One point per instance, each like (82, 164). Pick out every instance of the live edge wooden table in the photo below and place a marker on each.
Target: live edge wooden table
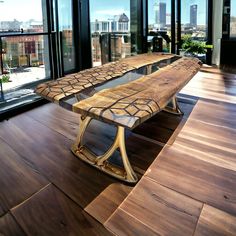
(123, 94)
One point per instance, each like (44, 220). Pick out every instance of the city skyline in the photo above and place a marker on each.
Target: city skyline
(101, 10)
(185, 9)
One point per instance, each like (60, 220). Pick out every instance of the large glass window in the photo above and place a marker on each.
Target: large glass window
(110, 30)
(24, 47)
(233, 19)
(194, 26)
(159, 24)
(23, 60)
(193, 19)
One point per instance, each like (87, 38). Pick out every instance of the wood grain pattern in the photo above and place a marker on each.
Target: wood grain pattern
(217, 114)
(131, 104)
(123, 224)
(47, 149)
(162, 210)
(218, 150)
(179, 170)
(219, 86)
(74, 83)
(141, 152)
(102, 207)
(199, 164)
(50, 207)
(213, 222)
(15, 174)
(145, 59)
(57, 118)
(9, 227)
(49, 152)
(202, 159)
(164, 127)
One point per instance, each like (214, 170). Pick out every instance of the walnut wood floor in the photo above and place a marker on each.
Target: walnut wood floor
(187, 165)
(190, 188)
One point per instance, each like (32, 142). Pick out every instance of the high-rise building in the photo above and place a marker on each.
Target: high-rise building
(193, 15)
(162, 7)
(160, 14)
(119, 23)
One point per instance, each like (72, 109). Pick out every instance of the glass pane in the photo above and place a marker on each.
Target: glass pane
(110, 30)
(194, 27)
(24, 60)
(159, 24)
(65, 27)
(23, 16)
(233, 19)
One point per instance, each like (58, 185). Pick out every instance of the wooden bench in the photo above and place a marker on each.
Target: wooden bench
(125, 106)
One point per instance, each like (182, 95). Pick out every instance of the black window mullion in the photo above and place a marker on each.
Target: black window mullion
(209, 31)
(172, 26)
(178, 18)
(85, 50)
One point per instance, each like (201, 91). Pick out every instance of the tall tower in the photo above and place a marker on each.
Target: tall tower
(160, 14)
(156, 12)
(162, 7)
(193, 15)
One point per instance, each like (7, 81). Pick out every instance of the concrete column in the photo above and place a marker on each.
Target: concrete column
(217, 30)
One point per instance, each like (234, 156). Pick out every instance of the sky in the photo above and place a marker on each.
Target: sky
(21, 10)
(100, 9)
(233, 8)
(104, 9)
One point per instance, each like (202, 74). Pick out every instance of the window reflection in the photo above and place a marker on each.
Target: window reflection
(159, 25)
(65, 27)
(110, 30)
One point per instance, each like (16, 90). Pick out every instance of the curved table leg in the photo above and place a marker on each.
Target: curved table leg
(175, 109)
(101, 162)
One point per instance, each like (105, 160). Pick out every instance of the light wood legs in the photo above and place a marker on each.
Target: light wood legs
(175, 109)
(101, 162)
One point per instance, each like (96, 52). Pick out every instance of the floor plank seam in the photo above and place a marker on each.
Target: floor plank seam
(148, 139)
(123, 201)
(155, 181)
(30, 197)
(82, 208)
(132, 216)
(49, 127)
(68, 196)
(18, 224)
(25, 160)
(198, 219)
(63, 110)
